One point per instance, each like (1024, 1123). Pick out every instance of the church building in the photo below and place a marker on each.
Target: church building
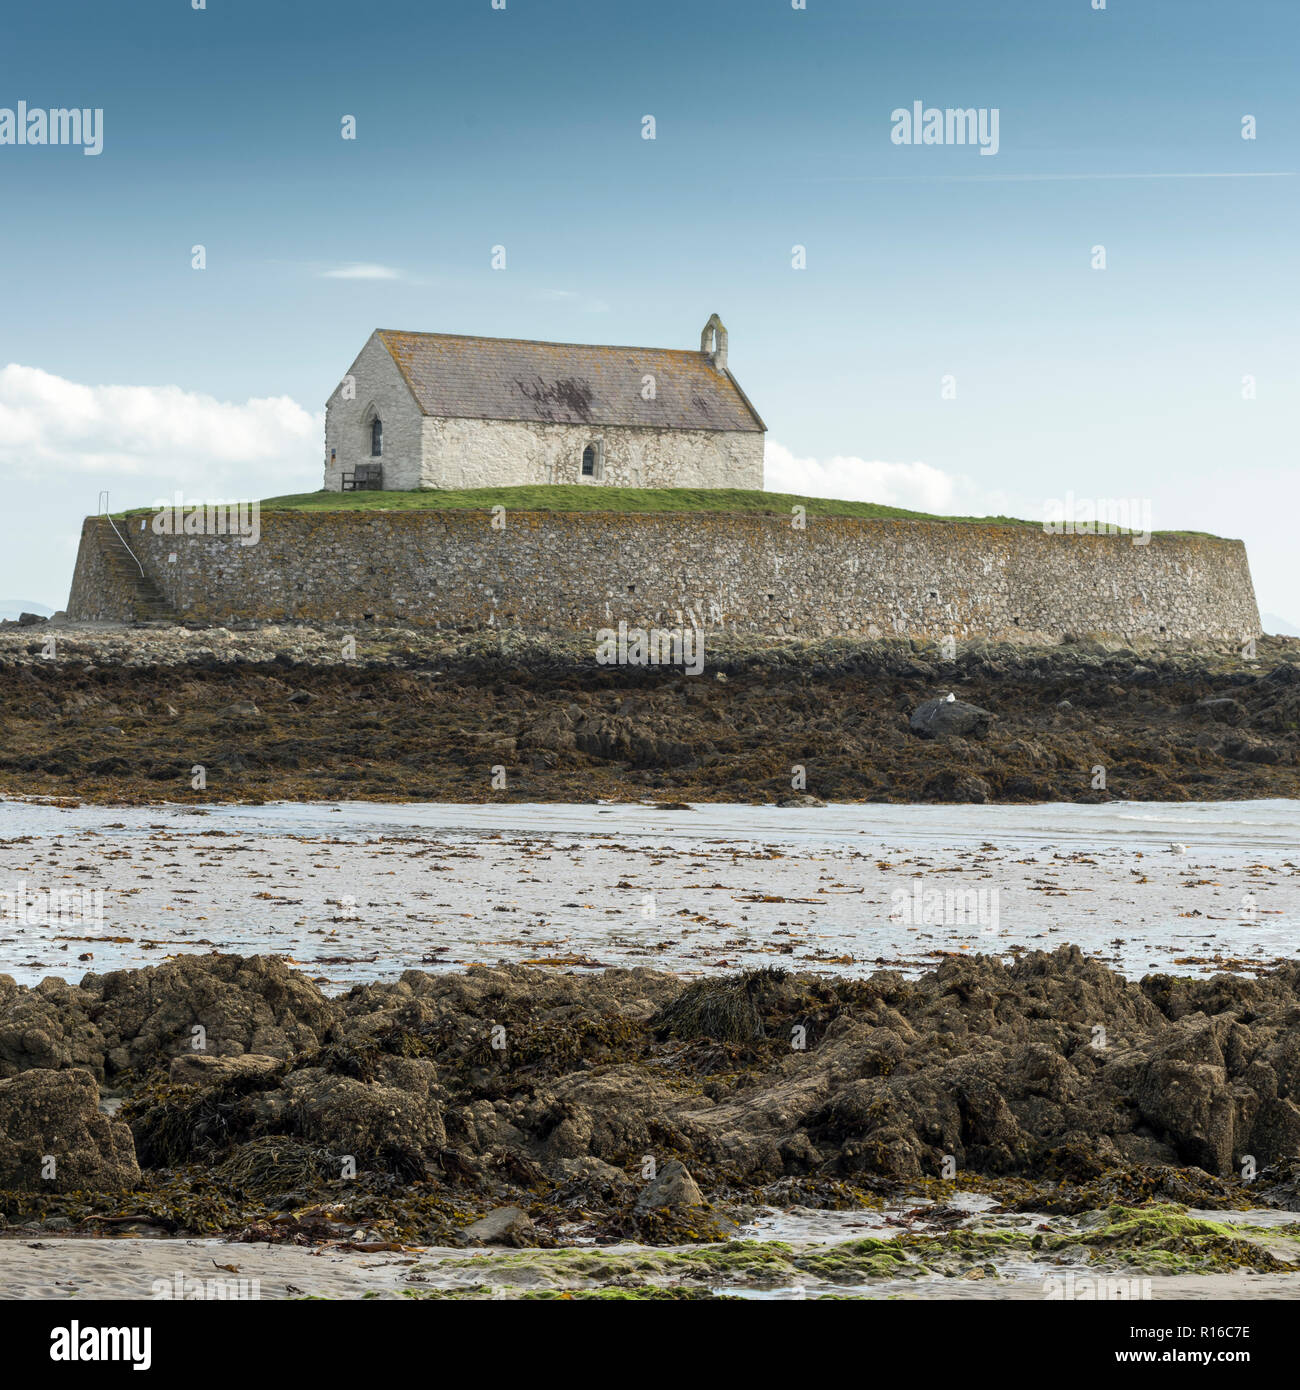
(441, 410)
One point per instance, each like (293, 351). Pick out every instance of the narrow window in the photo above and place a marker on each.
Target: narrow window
(376, 438)
(589, 462)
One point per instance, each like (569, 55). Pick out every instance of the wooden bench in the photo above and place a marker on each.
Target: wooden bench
(366, 477)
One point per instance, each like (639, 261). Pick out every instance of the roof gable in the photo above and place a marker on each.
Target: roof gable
(567, 383)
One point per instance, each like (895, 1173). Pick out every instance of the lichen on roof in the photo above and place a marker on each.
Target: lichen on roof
(456, 376)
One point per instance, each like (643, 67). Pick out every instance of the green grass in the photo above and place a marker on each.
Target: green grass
(587, 498)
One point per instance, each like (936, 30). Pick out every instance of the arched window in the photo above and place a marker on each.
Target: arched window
(376, 438)
(589, 462)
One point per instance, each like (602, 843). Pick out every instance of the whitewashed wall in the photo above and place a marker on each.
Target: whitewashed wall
(505, 453)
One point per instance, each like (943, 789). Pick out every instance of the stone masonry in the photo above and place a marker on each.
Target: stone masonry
(757, 574)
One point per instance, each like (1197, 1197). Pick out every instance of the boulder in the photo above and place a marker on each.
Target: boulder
(200, 1069)
(240, 709)
(48, 1027)
(947, 716)
(1250, 748)
(952, 785)
(242, 1003)
(1223, 709)
(373, 1123)
(505, 1226)
(54, 1138)
(673, 1187)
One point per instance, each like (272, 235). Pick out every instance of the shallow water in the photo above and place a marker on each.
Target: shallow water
(1202, 826)
(360, 891)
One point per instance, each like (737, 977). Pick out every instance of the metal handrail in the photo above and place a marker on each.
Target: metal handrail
(103, 511)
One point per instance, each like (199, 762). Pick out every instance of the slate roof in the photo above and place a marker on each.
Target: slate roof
(567, 383)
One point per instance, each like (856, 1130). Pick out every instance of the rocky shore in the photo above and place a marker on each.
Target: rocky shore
(507, 1106)
(127, 715)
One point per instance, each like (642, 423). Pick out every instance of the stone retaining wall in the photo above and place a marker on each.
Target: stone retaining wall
(585, 571)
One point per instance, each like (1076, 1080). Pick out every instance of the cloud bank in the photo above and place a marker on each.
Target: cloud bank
(915, 486)
(51, 428)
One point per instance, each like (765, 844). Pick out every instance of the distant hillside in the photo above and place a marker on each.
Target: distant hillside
(10, 608)
(1279, 627)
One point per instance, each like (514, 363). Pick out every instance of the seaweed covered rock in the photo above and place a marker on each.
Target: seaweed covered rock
(391, 1120)
(241, 1004)
(956, 786)
(566, 734)
(949, 716)
(54, 1138)
(48, 1026)
(672, 1187)
(278, 1168)
(1184, 1093)
(202, 1069)
(371, 1122)
(1279, 1185)
(725, 1010)
(615, 1114)
(517, 1077)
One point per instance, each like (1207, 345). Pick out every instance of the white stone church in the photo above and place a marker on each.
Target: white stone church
(439, 410)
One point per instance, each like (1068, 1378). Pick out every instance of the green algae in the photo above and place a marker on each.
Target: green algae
(1163, 1239)
(1166, 1239)
(635, 1293)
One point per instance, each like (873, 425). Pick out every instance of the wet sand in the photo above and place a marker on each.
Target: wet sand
(145, 1269)
(354, 892)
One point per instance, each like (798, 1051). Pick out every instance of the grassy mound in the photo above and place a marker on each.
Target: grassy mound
(586, 498)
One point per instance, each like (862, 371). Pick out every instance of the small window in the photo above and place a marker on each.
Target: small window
(589, 462)
(376, 438)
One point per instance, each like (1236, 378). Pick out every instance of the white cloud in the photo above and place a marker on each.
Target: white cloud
(362, 271)
(52, 428)
(584, 303)
(914, 486)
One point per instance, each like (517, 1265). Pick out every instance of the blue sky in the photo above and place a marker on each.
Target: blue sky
(522, 127)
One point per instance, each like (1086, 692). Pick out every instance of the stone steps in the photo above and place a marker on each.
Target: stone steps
(148, 602)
